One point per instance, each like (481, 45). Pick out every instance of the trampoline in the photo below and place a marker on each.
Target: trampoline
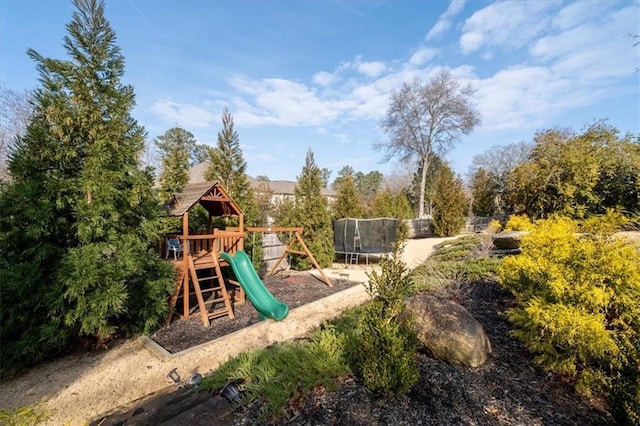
(356, 237)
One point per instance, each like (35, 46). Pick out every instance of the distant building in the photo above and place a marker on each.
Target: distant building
(281, 189)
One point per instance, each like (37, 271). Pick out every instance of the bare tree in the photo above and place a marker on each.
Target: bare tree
(15, 113)
(426, 119)
(498, 162)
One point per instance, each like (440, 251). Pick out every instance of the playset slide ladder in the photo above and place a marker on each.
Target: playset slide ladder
(210, 298)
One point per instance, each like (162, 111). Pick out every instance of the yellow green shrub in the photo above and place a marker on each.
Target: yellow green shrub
(577, 299)
(518, 223)
(493, 227)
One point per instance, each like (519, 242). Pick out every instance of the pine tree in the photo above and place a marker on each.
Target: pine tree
(228, 167)
(348, 202)
(227, 162)
(312, 213)
(176, 145)
(84, 263)
(450, 203)
(483, 190)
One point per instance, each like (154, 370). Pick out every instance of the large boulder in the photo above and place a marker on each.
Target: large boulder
(447, 331)
(508, 240)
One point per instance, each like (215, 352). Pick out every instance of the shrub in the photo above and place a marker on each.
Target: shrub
(458, 249)
(518, 223)
(25, 416)
(276, 374)
(493, 227)
(577, 303)
(450, 203)
(385, 354)
(450, 279)
(386, 343)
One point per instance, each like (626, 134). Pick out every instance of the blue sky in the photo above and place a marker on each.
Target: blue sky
(314, 74)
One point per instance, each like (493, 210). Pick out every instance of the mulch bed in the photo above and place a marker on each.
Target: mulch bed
(509, 389)
(291, 287)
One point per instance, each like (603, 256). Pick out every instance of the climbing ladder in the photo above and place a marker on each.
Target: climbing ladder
(352, 257)
(205, 276)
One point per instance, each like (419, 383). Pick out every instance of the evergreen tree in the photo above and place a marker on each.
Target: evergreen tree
(227, 162)
(388, 204)
(79, 219)
(228, 167)
(312, 212)
(176, 145)
(483, 190)
(342, 174)
(450, 203)
(368, 185)
(348, 202)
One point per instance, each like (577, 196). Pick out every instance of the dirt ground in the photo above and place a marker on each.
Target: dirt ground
(291, 287)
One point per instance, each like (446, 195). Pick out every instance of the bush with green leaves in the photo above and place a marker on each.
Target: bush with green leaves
(25, 416)
(450, 203)
(386, 342)
(518, 223)
(454, 265)
(458, 249)
(310, 210)
(80, 223)
(577, 303)
(274, 375)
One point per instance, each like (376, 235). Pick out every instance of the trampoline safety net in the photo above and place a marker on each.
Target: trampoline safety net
(366, 236)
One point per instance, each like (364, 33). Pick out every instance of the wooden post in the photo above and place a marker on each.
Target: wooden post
(185, 264)
(313, 260)
(305, 252)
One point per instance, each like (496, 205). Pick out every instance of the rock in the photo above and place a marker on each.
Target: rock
(508, 240)
(447, 331)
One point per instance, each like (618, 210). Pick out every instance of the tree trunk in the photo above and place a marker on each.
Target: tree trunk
(423, 184)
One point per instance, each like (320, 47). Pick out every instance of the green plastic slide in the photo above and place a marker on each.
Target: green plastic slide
(260, 297)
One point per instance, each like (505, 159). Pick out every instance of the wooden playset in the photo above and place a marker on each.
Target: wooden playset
(197, 259)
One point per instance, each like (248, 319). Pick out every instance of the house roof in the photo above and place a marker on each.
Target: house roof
(278, 187)
(211, 195)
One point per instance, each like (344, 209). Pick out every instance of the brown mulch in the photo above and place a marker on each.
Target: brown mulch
(509, 389)
(291, 287)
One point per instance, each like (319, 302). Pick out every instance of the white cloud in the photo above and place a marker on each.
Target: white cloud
(511, 24)
(371, 69)
(422, 56)
(281, 102)
(471, 41)
(185, 115)
(593, 49)
(577, 12)
(444, 21)
(526, 97)
(563, 70)
(324, 78)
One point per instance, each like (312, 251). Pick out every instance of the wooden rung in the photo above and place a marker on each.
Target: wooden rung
(204, 265)
(214, 301)
(217, 314)
(214, 277)
(206, 290)
(296, 252)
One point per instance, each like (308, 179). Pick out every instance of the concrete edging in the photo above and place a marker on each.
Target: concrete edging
(298, 323)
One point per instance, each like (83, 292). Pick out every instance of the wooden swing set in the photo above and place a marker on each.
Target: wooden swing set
(198, 268)
(296, 238)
